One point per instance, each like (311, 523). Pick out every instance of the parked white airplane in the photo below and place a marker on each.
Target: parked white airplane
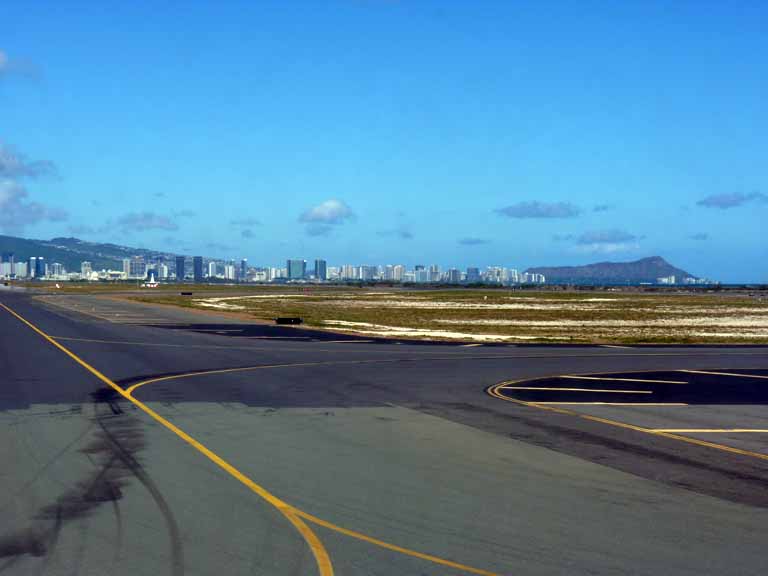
(151, 283)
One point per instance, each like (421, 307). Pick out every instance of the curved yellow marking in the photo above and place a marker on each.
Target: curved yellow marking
(623, 379)
(578, 390)
(393, 547)
(131, 389)
(322, 559)
(494, 391)
(764, 377)
(310, 517)
(711, 430)
(636, 404)
(293, 514)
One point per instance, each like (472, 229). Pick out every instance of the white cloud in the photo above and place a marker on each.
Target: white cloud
(332, 212)
(726, 201)
(607, 248)
(321, 219)
(540, 210)
(17, 212)
(141, 221)
(15, 165)
(601, 241)
(606, 237)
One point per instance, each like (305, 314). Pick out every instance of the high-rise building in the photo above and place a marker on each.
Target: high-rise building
(297, 269)
(212, 269)
(37, 267)
(57, 270)
(398, 271)
(229, 271)
(434, 273)
(86, 269)
(495, 274)
(367, 272)
(137, 267)
(243, 270)
(454, 276)
(348, 272)
(180, 268)
(473, 275)
(321, 270)
(10, 259)
(126, 267)
(162, 271)
(197, 268)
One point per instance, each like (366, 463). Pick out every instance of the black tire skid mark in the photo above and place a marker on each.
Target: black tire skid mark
(113, 450)
(54, 459)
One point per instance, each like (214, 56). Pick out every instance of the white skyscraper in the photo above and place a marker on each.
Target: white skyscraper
(348, 272)
(57, 270)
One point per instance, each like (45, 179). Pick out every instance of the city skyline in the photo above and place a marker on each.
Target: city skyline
(157, 269)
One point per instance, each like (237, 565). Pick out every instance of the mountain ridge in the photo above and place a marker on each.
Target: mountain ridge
(71, 251)
(642, 270)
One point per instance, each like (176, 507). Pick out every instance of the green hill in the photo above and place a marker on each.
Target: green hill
(71, 252)
(643, 270)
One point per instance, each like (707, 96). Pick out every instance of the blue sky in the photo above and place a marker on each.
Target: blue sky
(457, 133)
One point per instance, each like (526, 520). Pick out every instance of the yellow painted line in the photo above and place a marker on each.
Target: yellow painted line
(711, 430)
(624, 379)
(273, 337)
(293, 514)
(577, 389)
(130, 390)
(725, 374)
(615, 403)
(344, 341)
(494, 391)
(393, 547)
(318, 550)
(615, 346)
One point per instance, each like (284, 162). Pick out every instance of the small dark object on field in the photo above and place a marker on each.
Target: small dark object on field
(288, 320)
(185, 293)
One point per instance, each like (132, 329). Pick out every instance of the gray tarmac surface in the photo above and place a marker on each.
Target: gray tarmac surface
(399, 443)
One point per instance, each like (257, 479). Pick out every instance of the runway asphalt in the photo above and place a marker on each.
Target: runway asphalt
(153, 440)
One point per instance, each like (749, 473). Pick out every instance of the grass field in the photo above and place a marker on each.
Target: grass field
(502, 315)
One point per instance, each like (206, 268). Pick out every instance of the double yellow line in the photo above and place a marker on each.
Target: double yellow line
(495, 391)
(294, 515)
